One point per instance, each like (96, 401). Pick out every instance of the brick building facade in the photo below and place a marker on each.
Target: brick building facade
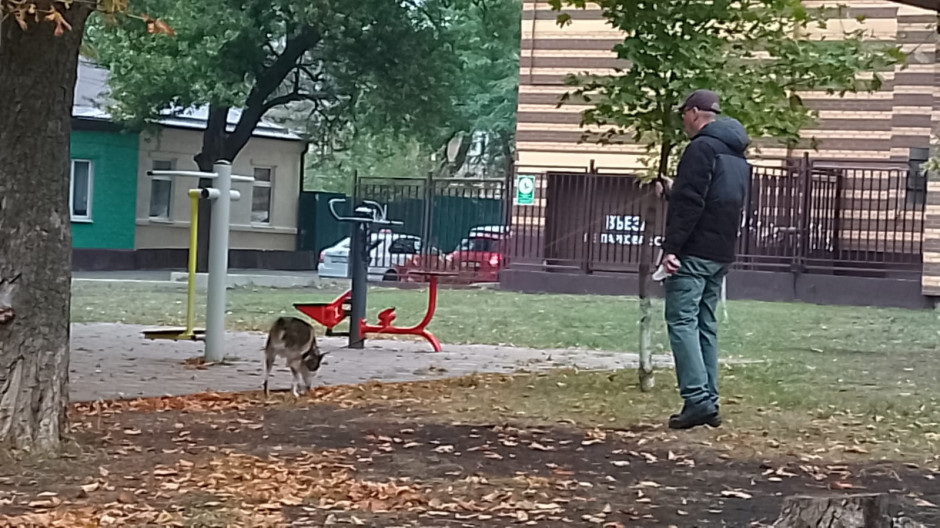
(891, 128)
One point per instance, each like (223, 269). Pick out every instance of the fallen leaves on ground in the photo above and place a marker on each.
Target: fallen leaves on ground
(201, 402)
(344, 396)
(94, 517)
(259, 485)
(259, 491)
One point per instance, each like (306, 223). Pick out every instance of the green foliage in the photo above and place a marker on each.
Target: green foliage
(378, 82)
(379, 155)
(484, 37)
(229, 54)
(932, 167)
(754, 53)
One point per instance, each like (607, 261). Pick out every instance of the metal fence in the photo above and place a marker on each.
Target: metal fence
(438, 217)
(584, 221)
(802, 215)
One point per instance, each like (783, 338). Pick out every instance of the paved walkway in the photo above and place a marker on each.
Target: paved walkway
(111, 361)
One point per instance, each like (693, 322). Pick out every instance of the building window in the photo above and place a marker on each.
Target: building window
(916, 177)
(161, 190)
(80, 192)
(261, 196)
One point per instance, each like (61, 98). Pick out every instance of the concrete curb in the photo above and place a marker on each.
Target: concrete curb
(235, 280)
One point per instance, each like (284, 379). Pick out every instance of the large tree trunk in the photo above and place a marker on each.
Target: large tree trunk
(213, 145)
(37, 78)
(844, 511)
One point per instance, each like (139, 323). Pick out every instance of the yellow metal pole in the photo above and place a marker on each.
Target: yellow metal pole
(191, 282)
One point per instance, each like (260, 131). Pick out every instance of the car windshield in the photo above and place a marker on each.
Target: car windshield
(487, 230)
(488, 245)
(388, 240)
(373, 243)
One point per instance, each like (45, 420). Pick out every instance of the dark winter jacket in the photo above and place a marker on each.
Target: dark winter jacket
(709, 193)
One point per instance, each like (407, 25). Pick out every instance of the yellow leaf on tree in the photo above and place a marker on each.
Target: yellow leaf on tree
(112, 6)
(20, 17)
(155, 26)
(61, 25)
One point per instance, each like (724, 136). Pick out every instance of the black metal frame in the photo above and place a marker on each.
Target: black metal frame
(365, 216)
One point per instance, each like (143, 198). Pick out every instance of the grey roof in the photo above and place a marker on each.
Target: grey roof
(91, 98)
(91, 89)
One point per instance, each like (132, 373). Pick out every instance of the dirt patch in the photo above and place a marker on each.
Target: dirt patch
(231, 461)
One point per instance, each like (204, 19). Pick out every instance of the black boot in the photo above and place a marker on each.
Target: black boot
(688, 418)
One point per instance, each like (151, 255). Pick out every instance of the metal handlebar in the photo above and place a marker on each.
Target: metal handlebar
(377, 213)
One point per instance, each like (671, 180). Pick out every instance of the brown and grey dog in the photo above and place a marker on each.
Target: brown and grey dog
(293, 339)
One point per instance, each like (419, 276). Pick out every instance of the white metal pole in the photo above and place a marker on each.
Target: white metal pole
(724, 297)
(218, 263)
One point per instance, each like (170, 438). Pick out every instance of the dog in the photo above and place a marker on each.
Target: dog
(295, 340)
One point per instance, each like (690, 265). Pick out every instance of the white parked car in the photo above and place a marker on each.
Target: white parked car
(485, 230)
(387, 251)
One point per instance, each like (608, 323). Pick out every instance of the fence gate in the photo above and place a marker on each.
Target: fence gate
(791, 216)
(594, 222)
(812, 216)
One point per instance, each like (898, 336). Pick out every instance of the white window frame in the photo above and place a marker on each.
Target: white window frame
(91, 187)
(263, 184)
(169, 208)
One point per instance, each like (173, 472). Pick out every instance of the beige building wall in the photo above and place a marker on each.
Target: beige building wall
(179, 146)
(878, 126)
(881, 126)
(931, 276)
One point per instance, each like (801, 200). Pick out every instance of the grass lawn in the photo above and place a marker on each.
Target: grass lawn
(753, 330)
(847, 378)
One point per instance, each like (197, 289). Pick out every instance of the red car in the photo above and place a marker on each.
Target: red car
(478, 257)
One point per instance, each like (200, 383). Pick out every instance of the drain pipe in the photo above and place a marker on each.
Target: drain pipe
(221, 197)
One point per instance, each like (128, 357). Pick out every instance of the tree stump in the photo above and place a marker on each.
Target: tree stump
(845, 511)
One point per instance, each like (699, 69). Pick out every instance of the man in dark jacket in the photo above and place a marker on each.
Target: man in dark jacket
(705, 206)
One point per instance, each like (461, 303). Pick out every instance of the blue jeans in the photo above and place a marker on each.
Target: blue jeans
(691, 297)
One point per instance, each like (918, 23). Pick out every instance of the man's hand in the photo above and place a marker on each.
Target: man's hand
(663, 186)
(671, 263)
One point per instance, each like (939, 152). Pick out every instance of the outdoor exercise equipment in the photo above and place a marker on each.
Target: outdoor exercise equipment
(352, 303)
(190, 333)
(221, 196)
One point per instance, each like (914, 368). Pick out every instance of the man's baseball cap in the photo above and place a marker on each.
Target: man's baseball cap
(706, 100)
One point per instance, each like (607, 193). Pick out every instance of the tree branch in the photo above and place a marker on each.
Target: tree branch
(294, 97)
(313, 76)
(270, 47)
(266, 84)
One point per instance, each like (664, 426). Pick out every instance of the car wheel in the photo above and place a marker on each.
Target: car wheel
(390, 276)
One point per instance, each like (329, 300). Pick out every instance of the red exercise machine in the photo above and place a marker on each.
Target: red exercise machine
(352, 303)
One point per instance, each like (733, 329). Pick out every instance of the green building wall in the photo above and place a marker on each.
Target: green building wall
(114, 189)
